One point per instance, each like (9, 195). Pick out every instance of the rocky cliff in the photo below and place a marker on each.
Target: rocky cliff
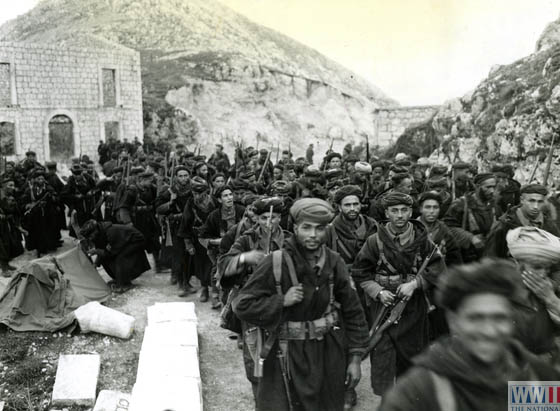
(211, 75)
(511, 116)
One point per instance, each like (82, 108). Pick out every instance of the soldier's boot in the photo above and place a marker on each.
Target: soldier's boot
(204, 295)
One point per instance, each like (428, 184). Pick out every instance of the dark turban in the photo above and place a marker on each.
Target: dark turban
(155, 165)
(534, 189)
(333, 173)
(249, 199)
(429, 195)
(199, 164)
(461, 166)
(329, 157)
(263, 205)
(482, 177)
(118, 169)
(198, 185)
(181, 168)
(313, 210)
(440, 182)
(438, 170)
(136, 170)
(394, 198)
(280, 187)
(345, 191)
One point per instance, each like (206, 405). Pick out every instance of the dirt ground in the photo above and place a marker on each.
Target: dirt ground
(28, 360)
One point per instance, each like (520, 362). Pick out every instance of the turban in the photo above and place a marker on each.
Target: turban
(118, 169)
(313, 171)
(263, 205)
(38, 173)
(249, 199)
(280, 187)
(363, 167)
(30, 153)
(155, 165)
(146, 174)
(198, 185)
(333, 173)
(398, 169)
(423, 161)
(199, 164)
(377, 164)
(312, 209)
(403, 163)
(534, 189)
(88, 227)
(440, 182)
(460, 166)
(345, 191)
(401, 156)
(331, 156)
(533, 243)
(482, 177)
(394, 198)
(429, 195)
(438, 170)
(76, 169)
(181, 168)
(239, 184)
(263, 151)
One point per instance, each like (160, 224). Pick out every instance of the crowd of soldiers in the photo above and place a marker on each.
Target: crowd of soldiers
(443, 275)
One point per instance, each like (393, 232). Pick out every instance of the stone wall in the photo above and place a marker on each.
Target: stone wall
(61, 79)
(390, 122)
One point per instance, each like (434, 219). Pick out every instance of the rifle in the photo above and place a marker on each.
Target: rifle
(269, 227)
(284, 371)
(367, 148)
(452, 184)
(264, 166)
(36, 203)
(383, 322)
(173, 164)
(82, 241)
(534, 171)
(278, 152)
(549, 161)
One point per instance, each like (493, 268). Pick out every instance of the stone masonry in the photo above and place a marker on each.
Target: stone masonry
(48, 80)
(390, 122)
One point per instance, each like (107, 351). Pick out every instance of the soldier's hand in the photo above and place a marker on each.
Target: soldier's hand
(173, 196)
(407, 289)
(353, 373)
(190, 250)
(293, 296)
(541, 286)
(478, 241)
(386, 297)
(253, 257)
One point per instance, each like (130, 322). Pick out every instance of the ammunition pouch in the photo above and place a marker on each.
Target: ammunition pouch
(392, 282)
(308, 330)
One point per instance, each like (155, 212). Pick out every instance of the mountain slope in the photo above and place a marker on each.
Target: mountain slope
(210, 74)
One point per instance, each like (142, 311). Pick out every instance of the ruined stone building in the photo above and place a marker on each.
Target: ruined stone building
(59, 100)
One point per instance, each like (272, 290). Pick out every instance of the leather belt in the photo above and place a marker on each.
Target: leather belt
(308, 330)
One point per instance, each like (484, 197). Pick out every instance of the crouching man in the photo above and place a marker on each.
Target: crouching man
(314, 316)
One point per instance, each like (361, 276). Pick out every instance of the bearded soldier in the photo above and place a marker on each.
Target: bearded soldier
(197, 210)
(315, 313)
(170, 204)
(471, 217)
(386, 268)
(527, 214)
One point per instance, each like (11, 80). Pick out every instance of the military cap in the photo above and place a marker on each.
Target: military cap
(363, 167)
(345, 191)
(438, 170)
(330, 156)
(146, 175)
(189, 154)
(437, 182)
(199, 185)
(534, 189)
(398, 169)
(199, 159)
(394, 198)
(263, 151)
(215, 176)
(378, 164)
(239, 184)
(220, 146)
(334, 184)
(248, 199)
(118, 169)
(181, 168)
(333, 173)
(351, 158)
(263, 205)
(30, 153)
(136, 170)
(155, 165)
(313, 210)
(280, 187)
(482, 177)
(285, 152)
(180, 145)
(38, 172)
(50, 164)
(313, 171)
(429, 195)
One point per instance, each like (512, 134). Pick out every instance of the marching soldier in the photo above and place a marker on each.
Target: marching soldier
(387, 269)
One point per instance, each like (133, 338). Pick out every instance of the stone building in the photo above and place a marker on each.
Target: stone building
(60, 99)
(390, 122)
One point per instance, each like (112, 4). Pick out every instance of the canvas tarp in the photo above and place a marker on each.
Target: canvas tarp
(40, 298)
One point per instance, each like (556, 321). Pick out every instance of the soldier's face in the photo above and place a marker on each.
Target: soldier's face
(277, 173)
(310, 235)
(350, 207)
(117, 177)
(335, 163)
(9, 168)
(219, 182)
(484, 324)
(487, 189)
(226, 198)
(398, 215)
(430, 211)
(40, 180)
(182, 177)
(531, 204)
(274, 220)
(202, 171)
(405, 186)
(9, 187)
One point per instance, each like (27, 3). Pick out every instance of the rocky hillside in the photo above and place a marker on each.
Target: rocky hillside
(209, 74)
(511, 116)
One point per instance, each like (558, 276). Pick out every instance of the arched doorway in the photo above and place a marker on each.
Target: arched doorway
(61, 138)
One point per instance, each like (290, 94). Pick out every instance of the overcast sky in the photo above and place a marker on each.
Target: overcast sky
(417, 51)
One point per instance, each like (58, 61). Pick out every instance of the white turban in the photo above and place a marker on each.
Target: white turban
(531, 242)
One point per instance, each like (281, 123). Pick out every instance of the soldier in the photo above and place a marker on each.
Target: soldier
(461, 179)
(528, 214)
(219, 157)
(108, 188)
(119, 249)
(508, 193)
(333, 161)
(214, 229)
(305, 310)
(79, 196)
(41, 202)
(309, 153)
(362, 178)
(470, 369)
(386, 268)
(195, 213)
(10, 226)
(56, 183)
(30, 162)
(471, 217)
(109, 166)
(170, 204)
